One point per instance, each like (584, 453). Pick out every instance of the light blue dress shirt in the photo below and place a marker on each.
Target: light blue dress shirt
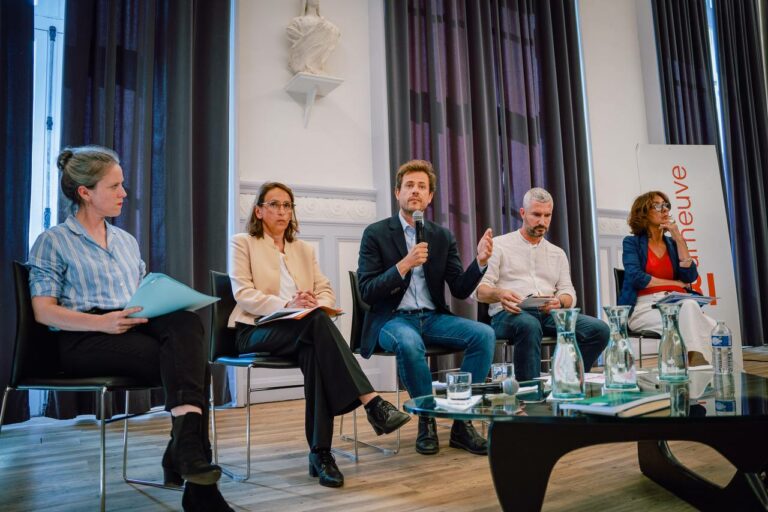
(66, 263)
(417, 295)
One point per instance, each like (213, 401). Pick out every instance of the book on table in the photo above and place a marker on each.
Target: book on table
(296, 314)
(675, 297)
(620, 403)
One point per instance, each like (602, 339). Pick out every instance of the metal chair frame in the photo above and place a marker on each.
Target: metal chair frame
(28, 374)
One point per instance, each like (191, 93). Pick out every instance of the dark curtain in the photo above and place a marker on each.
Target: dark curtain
(16, 65)
(745, 120)
(150, 79)
(688, 100)
(685, 71)
(491, 93)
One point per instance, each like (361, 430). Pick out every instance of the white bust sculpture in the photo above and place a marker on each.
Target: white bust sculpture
(312, 39)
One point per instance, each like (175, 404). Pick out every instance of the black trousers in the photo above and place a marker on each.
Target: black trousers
(333, 379)
(169, 349)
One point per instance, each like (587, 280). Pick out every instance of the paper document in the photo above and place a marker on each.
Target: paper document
(675, 297)
(457, 405)
(534, 302)
(295, 314)
(159, 295)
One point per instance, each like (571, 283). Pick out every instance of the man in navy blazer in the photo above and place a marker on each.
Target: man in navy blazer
(404, 284)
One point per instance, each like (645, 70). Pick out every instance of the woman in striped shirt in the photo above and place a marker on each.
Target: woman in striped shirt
(82, 274)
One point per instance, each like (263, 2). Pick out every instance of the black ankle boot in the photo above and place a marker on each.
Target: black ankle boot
(203, 498)
(322, 464)
(186, 455)
(171, 477)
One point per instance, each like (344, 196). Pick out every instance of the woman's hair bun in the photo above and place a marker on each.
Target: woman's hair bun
(64, 157)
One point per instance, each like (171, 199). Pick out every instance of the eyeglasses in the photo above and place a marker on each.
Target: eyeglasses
(277, 206)
(661, 206)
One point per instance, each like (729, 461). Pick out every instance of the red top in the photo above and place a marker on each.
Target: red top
(662, 269)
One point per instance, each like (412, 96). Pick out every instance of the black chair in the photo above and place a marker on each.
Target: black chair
(547, 342)
(35, 366)
(618, 281)
(223, 350)
(359, 309)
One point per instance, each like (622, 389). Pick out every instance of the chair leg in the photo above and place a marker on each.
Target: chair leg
(2, 407)
(102, 454)
(231, 474)
(354, 439)
(640, 349)
(150, 483)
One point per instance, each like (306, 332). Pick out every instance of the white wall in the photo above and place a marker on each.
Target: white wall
(337, 165)
(335, 149)
(623, 93)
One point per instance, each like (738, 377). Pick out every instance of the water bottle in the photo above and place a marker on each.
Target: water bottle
(725, 395)
(722, 348)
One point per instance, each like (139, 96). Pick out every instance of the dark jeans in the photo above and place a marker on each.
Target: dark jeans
(526, 329)
(170, 349)
(333, 379)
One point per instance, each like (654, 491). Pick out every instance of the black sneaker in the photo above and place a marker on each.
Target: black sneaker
(385, 418)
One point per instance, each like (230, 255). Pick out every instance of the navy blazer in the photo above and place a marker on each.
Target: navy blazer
(381, 286)
(635, 257)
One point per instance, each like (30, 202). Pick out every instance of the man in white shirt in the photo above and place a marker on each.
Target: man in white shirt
(524, 264)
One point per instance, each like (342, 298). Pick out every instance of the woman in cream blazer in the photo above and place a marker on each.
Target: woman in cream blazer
(270, 269)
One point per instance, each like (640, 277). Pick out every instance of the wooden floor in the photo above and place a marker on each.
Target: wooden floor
(53, 466)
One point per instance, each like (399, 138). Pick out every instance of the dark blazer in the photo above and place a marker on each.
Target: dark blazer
(635, 257)
(381, 286)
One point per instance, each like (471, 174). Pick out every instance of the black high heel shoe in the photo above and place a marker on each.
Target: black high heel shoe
(322, 464)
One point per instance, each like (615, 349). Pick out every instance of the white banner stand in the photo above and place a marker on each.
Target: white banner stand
(690, 176)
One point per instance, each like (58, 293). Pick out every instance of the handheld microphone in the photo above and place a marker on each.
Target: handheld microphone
(418, 221)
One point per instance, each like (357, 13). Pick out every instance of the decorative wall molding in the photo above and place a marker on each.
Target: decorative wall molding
(612, 223)
(321, 205)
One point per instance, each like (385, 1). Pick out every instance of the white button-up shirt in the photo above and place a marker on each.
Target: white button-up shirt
(527, 269)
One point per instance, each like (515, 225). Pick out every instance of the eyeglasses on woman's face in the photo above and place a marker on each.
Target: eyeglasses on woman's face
(276, 206)
(661, 206)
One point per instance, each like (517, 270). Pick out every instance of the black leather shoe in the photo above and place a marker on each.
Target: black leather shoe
(385, 418)
(426, 439)
(203, 498)
(464, 436)
(322, 464)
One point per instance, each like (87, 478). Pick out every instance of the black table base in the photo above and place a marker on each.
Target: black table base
(523, 453)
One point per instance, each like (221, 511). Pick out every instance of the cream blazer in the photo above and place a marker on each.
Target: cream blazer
(255, 274)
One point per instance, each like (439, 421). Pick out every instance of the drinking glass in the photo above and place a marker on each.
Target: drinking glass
(459, 386)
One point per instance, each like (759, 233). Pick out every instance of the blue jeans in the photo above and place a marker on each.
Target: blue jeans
(408, 335)
(526, 329)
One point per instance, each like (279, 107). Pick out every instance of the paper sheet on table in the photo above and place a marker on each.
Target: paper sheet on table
(159, 295)
(451, 405)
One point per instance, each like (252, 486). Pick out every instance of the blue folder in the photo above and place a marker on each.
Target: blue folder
(159, 295)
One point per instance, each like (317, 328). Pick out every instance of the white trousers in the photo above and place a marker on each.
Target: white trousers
(695, 326)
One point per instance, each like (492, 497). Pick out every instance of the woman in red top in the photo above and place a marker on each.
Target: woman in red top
(656, 262)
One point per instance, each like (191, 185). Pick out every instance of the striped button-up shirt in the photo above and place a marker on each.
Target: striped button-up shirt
(66, 263)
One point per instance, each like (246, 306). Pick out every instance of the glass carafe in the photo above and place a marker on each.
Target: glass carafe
(620, 371)
(567, 363)
(673, 357)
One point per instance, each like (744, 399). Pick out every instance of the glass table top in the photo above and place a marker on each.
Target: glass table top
(747, 398)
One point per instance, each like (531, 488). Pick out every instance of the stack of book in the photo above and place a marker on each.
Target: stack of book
(623, 404)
